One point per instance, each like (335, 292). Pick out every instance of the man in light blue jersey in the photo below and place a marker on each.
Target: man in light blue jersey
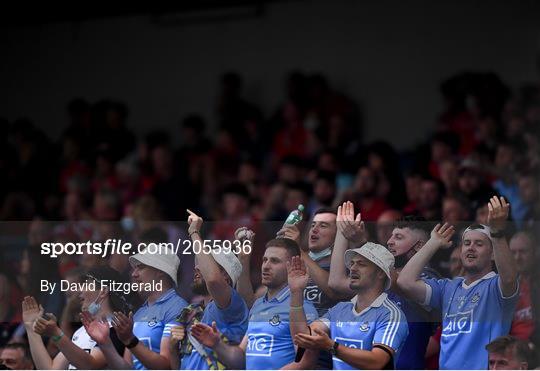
(478, 307)
(216, 275)
(142, 334)
(367, 332)
(267, 344)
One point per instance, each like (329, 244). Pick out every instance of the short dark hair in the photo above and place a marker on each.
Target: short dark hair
(22, 346)
(286, 243)
(503, 343)
(414, 223)
(325, 210)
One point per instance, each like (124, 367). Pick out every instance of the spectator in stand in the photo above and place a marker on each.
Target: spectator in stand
(235, 212)
(384, 161)
(324, 191)
(505, 164)
(444, 147)
(413, 182)
(110, 119)
(449, 176)
(429, 201)
(481, 293)
(171, 189)
(104, 169)
(455, 209)
(529, 193)
(10, 294)
(508, 353)
(385, 225)
(232, 109)
(525, 324)
(364, 195)
(293, 139)
(16, 356)
(472, 183)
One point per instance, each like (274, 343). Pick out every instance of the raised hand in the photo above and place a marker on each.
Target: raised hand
(297, 274)
(351, 227)
(47, 326)
(442, 235)
(318, 341)
(195, 222)
(206, 335)
(98, 330)
(123, 325)
(244, 234)
(31, 311)
(498, 213)
(290, 231)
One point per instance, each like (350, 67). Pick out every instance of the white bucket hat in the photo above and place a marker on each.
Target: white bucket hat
(164, 260)
(378, 255)
(230, 263)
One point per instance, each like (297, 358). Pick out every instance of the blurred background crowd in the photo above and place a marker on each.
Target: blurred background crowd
(101, 181)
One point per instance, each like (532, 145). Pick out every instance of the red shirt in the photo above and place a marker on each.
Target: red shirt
(523, 322)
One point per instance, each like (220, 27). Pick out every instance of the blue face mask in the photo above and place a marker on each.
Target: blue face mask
(94, 307)
(316, 256)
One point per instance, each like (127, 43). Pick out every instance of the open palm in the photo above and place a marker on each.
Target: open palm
(297, 274)
(31, 310)
(96, 329)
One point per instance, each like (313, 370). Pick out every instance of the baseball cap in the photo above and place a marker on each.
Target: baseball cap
(164, 260)
(377, 254)
(230, 263)
(484, 229)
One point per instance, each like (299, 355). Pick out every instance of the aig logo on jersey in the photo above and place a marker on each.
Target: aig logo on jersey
(260, 345)
(313, 294)
(350, 343)
(460, 323)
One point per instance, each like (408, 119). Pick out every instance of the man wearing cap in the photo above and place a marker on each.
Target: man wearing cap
(142, 334)
(268, 343)
(367, 332)
(216, 274)
(475, 308)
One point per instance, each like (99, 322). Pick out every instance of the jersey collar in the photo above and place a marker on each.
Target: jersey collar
(166, 296)
(374, 304)
(280, 297)
(474, 283)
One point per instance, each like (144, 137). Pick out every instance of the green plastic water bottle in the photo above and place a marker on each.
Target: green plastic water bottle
(295, 216)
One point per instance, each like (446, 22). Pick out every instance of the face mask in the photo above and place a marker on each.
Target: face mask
(316, 256)
(402, 259)
(95, 307)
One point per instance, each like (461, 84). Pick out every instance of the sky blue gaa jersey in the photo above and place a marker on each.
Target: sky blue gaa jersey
(231, 321)
(472, 316)
(149, 321)
(380, 323)
(270, 344)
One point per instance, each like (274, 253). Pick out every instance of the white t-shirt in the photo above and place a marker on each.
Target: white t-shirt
(81, 339)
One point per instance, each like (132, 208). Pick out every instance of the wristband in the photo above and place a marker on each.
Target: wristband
(301, 307)
(56, 338)
(132, 343)
(192, 233)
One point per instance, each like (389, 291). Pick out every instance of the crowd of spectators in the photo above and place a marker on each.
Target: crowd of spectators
(101, 181)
